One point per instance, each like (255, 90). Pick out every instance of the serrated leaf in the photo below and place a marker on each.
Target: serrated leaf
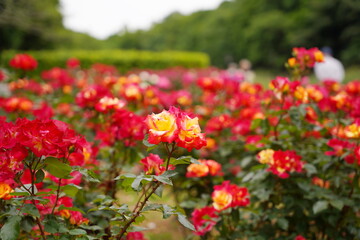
(164, 179)
(310, 169)
(152, 207)
(169, 173)
(136, 183)
(248, 177)
(77, 232)
(283, 223)
(137, 229)
(51, 224)
(185, 222)
(11, 229)
(337, 204)
(320, 206)
(88, 174)
(57, 168)
(167, 211)
(20, 194)
(183, 160)
(39, 176)
(70, 189)
(125, 175)
(31, 210)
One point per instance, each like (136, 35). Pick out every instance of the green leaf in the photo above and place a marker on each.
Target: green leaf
(337, 204)
(57, 168)
(137, 229)
(136, 183)
(146, 142)
(30, 209)
(265, 126)
(20, 194)
(320, 206)
(255, 123)
(88, 174)
(248, 177)
(167, 211)
(11, 228)
(70, 189)
(159, 190)
(77, 232)
(164, 179)
(183, 160)
(125, 176)
(169, 173)
(185, 222)
(151, 148)
(152, 207)
(39, 176)
(51, 224)
(310, 169)
(283, 223)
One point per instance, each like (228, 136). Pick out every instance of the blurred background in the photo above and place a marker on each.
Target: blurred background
(260, 30)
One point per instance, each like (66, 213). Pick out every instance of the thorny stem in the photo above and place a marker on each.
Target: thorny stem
(57, 196)
(58, 189)
(32, 192)
(141, 204)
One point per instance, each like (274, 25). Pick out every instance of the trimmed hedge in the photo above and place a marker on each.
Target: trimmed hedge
(124, 60)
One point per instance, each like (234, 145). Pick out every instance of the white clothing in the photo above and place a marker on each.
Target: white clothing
(330, 69)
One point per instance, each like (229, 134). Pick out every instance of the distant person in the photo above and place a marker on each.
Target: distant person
(331, 69)
(234, 73)
(245, 69)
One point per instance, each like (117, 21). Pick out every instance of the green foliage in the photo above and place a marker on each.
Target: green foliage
(259, 30)
(11, 228)
(57, 168)
(123, 60)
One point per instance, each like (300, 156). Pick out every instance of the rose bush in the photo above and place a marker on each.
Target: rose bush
(241, 160)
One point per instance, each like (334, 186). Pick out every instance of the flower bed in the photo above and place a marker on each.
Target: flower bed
(242, 161)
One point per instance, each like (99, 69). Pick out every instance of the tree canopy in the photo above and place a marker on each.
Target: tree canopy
(260, 30)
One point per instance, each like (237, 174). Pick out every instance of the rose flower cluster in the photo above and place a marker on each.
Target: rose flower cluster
(305, 58)
(224, 196)
(26, 141)
(281, 163)
(175, 126)
(204, 168)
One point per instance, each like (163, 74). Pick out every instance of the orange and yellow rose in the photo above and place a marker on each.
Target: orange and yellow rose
(5, 191)
(162, 127)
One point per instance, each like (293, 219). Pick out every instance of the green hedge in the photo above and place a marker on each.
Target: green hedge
(124, 60)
